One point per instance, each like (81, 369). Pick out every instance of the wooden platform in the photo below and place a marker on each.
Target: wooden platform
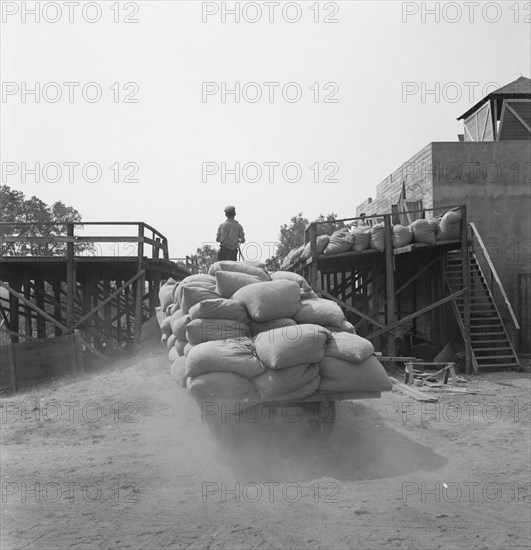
(100, 300)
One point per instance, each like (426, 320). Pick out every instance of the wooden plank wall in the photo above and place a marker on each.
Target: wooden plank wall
(26, 364)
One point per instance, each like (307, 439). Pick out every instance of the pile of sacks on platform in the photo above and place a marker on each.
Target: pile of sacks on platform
(242, 334)
(362, 237)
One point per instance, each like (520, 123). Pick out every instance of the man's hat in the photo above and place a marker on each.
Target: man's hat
(230, 208)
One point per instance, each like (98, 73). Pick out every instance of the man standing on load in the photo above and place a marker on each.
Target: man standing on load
(230, 235)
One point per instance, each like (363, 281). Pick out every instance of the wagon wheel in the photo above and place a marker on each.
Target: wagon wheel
(324, 419)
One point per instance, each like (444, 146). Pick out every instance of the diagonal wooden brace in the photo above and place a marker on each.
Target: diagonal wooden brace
(34, 307)
(109, 298)
(417, 313)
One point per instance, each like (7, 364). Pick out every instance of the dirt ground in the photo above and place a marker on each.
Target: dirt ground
(122, 459)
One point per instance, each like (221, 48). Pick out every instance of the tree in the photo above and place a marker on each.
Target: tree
(205, 257)
(292, 235)
(15, 208)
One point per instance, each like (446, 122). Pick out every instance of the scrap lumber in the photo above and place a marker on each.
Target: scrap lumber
(413, 392)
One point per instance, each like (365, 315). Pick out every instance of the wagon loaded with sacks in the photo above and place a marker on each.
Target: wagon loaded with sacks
(240, 338)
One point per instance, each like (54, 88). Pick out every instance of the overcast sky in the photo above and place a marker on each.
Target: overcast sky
(341, 87)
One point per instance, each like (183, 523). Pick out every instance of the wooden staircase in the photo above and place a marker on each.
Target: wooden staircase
(490, 343)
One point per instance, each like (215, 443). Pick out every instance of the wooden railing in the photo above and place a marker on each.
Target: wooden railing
(66, 233)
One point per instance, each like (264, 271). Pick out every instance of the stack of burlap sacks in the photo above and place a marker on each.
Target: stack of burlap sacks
(359, 238)
(241, 334)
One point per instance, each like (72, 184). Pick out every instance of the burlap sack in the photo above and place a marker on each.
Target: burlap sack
(377, 240)
(193, 295)
(248, 268)
(221, 384)
(275, 383)
(257, 328)
(424, 231)
(402, 235)
(348, 347)
(237, 356)
(177, 371)
(338, 375)
(449, 227)
(362, 238)
(285, 347)
(228, 282)
(205, 330)
(220, 308)
(319, 312)
(268, 301)
(340, 241)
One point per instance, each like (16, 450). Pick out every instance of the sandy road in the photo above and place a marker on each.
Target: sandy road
(133, 466)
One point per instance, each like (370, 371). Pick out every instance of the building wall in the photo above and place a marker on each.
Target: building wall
(416, 174)
(493, 179)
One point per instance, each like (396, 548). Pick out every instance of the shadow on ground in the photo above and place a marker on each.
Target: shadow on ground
(361, 447)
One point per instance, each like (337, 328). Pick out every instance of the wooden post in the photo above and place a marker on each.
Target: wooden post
(140, 283)
(127, 313)
(390, 285)
(376, 298)
(70, 275)
(13, 312)
(118, 315)
(41, 322)
(312, 235)
(12, 367)
(57, 307)
(465, 266)
(154, 292)
(442, 290)
(27, 316)
(107, 308)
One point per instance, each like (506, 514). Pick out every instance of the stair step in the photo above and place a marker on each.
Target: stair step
(493, 365)
(495, 357)
(491, 349)
(477, 309)
(489, 341)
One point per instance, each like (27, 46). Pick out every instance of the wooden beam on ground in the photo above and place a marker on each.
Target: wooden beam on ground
(413, 392)
(417, 313)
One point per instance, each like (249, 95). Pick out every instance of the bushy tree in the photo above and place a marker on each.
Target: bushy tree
(15, 208)
(205, 256)
(292, 235)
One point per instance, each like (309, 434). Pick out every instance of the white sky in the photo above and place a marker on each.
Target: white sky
(370, 53)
